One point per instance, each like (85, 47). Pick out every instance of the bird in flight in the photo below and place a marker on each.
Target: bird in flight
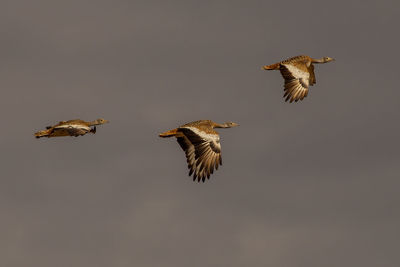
(298, 73)
(71, 128)
(201, 144)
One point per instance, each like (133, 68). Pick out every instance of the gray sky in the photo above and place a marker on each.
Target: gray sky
(309, 184)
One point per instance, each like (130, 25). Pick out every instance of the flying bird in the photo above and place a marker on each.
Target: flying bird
(201, 144)
(298, 73)
(71, 128)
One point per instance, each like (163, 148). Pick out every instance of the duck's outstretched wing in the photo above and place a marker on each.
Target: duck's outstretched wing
(297, 80)
(71, 130)
(203, 151)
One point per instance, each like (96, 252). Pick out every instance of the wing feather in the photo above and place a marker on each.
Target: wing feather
(188, 147)
(206, 152)
(297, 80)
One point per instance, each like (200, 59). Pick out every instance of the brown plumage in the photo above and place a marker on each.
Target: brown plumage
(70, 128)
(298, 73)
(201, 144)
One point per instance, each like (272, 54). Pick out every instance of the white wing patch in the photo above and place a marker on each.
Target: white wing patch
(204, 135)
(74, 126)
(73, 129)
(297, 82)
(299, 74)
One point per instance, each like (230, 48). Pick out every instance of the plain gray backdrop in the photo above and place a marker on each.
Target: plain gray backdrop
(310, 184)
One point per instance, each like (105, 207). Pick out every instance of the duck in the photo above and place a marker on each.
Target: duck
(74, 127)
(298, 73)
(201, 144)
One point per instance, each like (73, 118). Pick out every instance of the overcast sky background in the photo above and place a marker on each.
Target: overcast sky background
(310, 184)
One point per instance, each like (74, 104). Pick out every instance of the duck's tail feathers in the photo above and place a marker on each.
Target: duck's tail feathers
(44, 133)
(272, 67)
(169, 133)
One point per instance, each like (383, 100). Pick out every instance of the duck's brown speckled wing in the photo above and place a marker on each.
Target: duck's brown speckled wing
(203, 151)
(70, 129)
(297, 80)
(188, 147)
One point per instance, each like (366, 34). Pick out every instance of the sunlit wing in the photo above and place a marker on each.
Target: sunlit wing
(188, 147)
(203, 152)
(297, 79)
(72, 130)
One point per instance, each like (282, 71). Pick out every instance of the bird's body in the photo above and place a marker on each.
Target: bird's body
(298, 73)
(70, 128)
(201, 144)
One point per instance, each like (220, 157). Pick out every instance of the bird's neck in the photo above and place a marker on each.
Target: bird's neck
(318, 60)
(221, 125)
(93, 123)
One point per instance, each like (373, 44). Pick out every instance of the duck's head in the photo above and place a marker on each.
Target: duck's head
(230, 124)
(328, 59)
(100, 121)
